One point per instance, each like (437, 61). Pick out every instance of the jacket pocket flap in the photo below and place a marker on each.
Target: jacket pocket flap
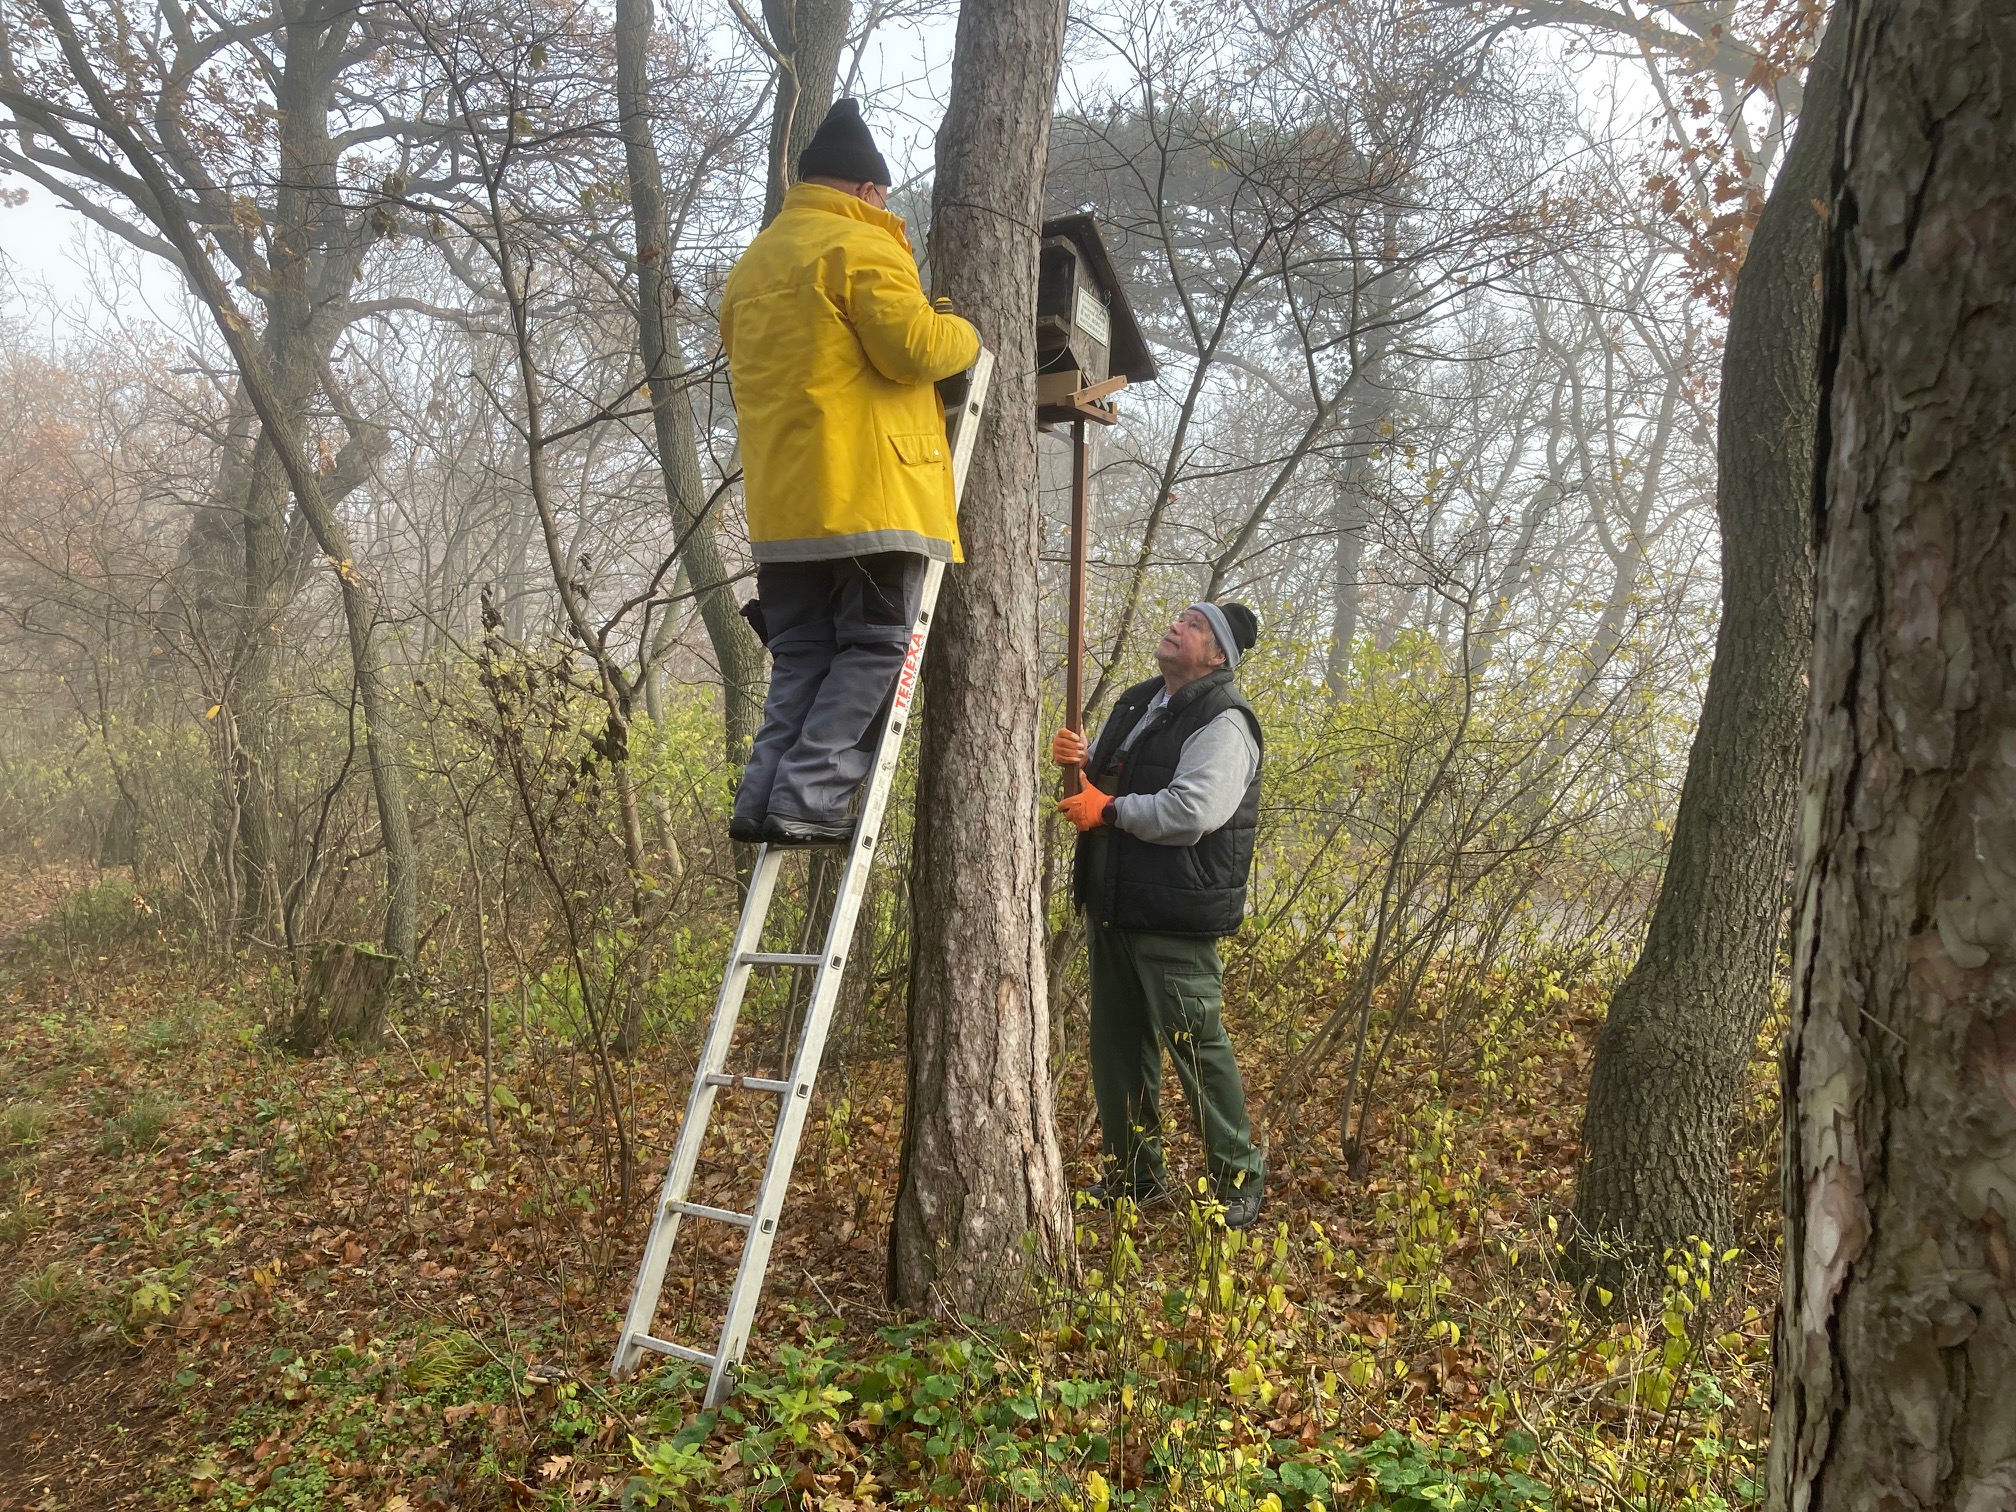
(919, 449)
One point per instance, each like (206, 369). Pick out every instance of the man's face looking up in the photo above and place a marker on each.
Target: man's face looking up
(1187, 650)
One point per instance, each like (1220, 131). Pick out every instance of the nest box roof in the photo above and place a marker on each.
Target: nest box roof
(1129, 351)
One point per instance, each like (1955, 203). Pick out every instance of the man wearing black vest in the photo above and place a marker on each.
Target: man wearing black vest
(1166, 820)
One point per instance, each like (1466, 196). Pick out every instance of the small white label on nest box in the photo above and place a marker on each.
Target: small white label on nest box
(1090, 317)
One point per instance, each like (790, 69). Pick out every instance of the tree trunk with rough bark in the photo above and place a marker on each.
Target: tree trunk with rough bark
(1655, 1138)
(982, 1175)
(736, 653)
(1897, 1324)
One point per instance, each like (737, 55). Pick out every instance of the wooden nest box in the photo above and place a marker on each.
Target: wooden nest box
(1087, 344)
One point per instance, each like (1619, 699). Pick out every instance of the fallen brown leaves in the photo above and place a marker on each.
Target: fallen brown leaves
(291, 1207)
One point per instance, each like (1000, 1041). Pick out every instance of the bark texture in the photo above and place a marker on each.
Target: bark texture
(1896, 1331)
(981, 1168)
(347, 1000)
(1655, 1139)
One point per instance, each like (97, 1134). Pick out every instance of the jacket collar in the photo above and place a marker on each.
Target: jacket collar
(833, 202)
(1196, 688)
(1180, 700)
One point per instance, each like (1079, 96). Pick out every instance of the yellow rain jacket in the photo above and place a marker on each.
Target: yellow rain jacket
(832, 351)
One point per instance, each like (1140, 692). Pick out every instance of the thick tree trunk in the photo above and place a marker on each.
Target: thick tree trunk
(1897, 1326)
(1655, 1139)
(981, 1169)
(267, 584)
(233, 583)
(735, 650)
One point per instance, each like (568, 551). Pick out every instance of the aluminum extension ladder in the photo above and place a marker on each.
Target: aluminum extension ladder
(712, 1074)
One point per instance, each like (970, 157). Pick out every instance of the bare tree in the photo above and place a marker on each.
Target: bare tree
(803, 39)
(1740, 67)
(1287, 241)
(102, 147)
(736, 653)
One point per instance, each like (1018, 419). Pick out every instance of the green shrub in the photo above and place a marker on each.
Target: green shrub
(440, 1360)
(170, 1031)
(99, 920)
(19, 1219)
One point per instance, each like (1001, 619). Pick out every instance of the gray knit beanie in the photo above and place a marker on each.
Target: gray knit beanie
(1233, 625)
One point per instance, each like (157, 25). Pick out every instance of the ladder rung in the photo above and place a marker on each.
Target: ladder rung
(777, 958)
(759, 1083)
(719, 1215)
(677, 1351)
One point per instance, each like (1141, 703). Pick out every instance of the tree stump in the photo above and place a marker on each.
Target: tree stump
(349, 993)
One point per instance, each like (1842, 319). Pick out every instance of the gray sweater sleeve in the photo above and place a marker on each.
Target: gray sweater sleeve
(1212, 772)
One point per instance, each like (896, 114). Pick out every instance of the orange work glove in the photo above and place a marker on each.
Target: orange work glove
(1085, 808)
(1068, 749)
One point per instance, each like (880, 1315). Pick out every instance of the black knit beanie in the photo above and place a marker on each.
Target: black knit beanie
(843, 148)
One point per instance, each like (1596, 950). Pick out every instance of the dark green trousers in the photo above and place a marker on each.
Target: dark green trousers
(1151, 992)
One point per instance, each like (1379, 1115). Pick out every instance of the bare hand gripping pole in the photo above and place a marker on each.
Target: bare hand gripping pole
(760, 1226)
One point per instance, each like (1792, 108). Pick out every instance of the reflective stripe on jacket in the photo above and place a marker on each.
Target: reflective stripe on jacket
(832, 351)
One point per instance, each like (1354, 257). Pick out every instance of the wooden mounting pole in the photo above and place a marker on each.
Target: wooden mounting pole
(1074, 650)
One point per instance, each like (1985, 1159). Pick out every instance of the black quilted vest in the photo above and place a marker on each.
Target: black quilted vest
(1166, 889)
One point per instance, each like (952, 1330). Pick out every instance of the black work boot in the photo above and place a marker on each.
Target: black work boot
(778, 831)
(1242, 1202)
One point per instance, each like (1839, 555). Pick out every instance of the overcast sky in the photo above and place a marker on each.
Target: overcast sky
(61, 274)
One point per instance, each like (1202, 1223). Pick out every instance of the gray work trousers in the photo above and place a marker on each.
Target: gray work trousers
(836, 632)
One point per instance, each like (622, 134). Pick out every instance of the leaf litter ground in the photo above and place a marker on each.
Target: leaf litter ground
(237, 1279)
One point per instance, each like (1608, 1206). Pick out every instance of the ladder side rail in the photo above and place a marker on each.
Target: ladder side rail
(762, 1233)
(749, 1276)
(679, 1169)
(966, 435)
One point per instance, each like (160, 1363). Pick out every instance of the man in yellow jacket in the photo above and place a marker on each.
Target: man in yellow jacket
(833, 354)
